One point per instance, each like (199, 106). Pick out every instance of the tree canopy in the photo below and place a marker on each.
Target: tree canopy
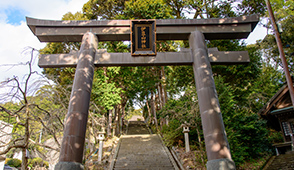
(168, 92)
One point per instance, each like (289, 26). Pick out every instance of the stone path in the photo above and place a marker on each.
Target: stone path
(141, 150)
(283, 161)
(137, 128)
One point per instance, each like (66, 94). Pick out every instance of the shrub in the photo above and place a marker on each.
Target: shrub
(171, 135)
(38, 162)
(13, 162)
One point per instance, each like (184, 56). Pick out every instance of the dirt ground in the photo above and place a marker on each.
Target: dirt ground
(190, 160)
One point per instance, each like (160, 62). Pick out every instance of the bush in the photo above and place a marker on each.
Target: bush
(171, 136)
(276, 137)
(247, 133)
(13, 162)
(38, 162)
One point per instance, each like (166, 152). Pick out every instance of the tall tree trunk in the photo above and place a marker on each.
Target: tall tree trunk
(148, 108)
(104, 122)
(92, 137)
(160, 96)
(117, 118)
(164, 93)
(153, 110)
(114, 113)
(114, 121)
(109, 123)
(24, 163)
(122, 117)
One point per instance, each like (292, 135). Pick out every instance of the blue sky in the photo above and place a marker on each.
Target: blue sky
(15, 16)
(16, 36)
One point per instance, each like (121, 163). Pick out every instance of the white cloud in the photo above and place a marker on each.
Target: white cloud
(13, 42)
(15, 38)
(53, 9)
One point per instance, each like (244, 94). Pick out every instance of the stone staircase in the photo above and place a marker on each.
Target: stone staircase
(281, 162)
(137, 128)
(141, 150)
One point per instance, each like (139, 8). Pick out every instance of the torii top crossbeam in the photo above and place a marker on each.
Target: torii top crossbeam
(119, 30)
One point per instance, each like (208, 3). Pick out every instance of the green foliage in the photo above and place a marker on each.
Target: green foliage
(114, 47)
(122, 9)
(106, 9)
(142, 9)
(13, 162)
(248, 7)
(284, 17)
(172, 134)
(37, 162)
(275, 137)
(242, 124)
(247, 136)
(247, 133)
(179, 111)
(221, 9)
(282, 8)
(183, 109)
(132, 112)
(104, 92)
(76, 16)
(7, 117)
(139, 82)
(178, 78)
(177, 7)
(241, 74)
(264, 86)
(139, 9)
(242, 77)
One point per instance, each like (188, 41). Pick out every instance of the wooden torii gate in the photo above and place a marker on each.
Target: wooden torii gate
(194, 30)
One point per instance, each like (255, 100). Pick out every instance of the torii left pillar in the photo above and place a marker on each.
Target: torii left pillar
(72, 147)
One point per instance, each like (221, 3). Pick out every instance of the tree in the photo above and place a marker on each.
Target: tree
(242, 126)
(27, 114)
(247, 7)
(185, 109)
(109, 9)
(140, 9)
(284, 18)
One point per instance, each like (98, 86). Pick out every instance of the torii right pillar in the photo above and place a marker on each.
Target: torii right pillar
(216, 142)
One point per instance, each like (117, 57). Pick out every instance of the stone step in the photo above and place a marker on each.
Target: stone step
(162, 162)
(284, 161)
(139, 150)
(147, 158)
(137, 127)
(142, 164)
(145, 167)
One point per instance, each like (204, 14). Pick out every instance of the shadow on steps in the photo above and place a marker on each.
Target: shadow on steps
(137, 128)
(283, 161)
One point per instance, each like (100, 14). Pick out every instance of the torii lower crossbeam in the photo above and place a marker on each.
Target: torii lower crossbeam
(184, 57)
